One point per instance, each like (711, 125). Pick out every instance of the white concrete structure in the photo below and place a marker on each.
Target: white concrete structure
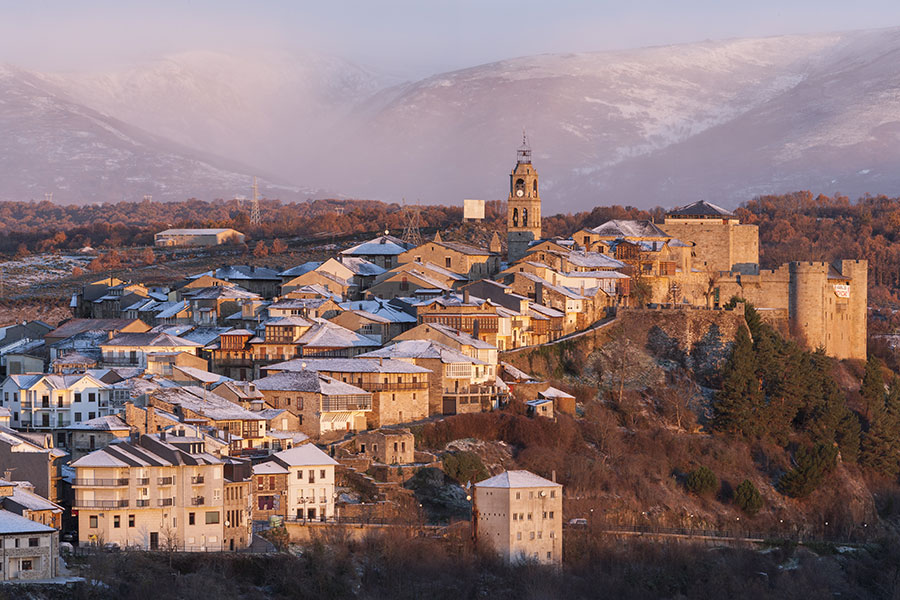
(28, 550)
(520, 515)
(310, 490)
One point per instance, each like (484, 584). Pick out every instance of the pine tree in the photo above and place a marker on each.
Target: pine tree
(880, 448)
(872, 389)
(813, 465)
(748, 498)
(737, 407)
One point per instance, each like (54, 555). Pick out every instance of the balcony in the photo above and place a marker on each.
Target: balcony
(348, 402)
(165, 481)
(140, 503)
(394, 387)
(165, 502)
(142, 481)
(102, 482)
(197, 480)
(198, 501)
(101, 503)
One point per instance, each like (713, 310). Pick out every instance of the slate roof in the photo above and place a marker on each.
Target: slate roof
(594, 260)
(464, 248)
(347, 365)
(361, 266)
(307, 381)
(76, 326)
(700, 208)
(107, 423)
(325, 334)
(380, 308)
(301, 269)
(461, 336)
(422, 349)
(629, 229)
(516, 479)
(208, 404)
(13, 523)
(148, 339)
(304, 455)
(385, 245)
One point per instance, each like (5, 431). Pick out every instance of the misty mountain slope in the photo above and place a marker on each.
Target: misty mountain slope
(267, 110)
(721, 120)
(51, 144)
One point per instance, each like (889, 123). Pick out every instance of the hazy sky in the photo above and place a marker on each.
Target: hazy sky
(405, 37)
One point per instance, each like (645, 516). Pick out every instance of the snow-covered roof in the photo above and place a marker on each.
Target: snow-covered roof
(292, 321)
(208, 404)
(107, 423)
(269, 468)
(53, 381)
(515, 373)
(700, 208)
(201, 375)
(461, 336)
(307, 381)
(325, 334)
(195, 231)
(464, 248)
(13, 523)
(595, 260)
(304, 455)
(361, 266)
(347, 365)
(552, 392)
(149, 339)
(380, 308)
(385, 245)
(629, 229)
(422, 349)
(516, 479)
(301, 269)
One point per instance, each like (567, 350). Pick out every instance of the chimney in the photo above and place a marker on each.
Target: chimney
(380, 361)
(553, 475)
(162, 437)
(7, 474)
(476, 328)
(465, 296)
(539, 293)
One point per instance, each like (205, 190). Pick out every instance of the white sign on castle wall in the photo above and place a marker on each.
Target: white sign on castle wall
(842, 290)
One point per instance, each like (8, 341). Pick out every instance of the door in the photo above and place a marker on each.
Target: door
(154, 540)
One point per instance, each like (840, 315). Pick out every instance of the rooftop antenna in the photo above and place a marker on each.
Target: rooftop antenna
(254, 207)
(411, 234)
(523, 154)
(48, 196)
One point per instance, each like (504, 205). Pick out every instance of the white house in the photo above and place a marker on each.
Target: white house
(310, 489)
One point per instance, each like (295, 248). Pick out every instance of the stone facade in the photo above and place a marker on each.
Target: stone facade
(723, 244)
(28, 550)
(387, 446)
(523, 224)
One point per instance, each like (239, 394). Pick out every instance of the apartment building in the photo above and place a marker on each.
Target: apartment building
(519, 514)
(152, 493)
(50, 403)
(310, 483)
(31, 457)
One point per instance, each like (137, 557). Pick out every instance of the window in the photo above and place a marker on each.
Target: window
(548, 556)
(117, 520)
(300, 474)
(212, 518)
(192, 518)
(532, 535)
(93, 521)
(92, 397)
(448, 262)
(515, 516)
(78, 416)
(77, 396)
(131, 520)
(553, 493)
(321, 473)
(519, 535)
(551, 514)
(91, 415)
(518, 495)
(26, 565)
(529, 516)
(33, 542)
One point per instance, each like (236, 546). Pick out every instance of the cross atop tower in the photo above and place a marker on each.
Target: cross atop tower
(523, 154)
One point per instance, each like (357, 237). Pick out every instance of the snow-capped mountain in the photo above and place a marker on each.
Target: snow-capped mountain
(722, 120)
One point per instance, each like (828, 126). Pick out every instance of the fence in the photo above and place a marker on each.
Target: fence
(856, 535)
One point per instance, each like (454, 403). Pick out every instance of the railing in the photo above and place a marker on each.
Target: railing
(390, 387)
(143, 481)
(165, 502)
(197, 501)
(165, 481)
(142, 503)
(101, 503)
(197, 480)
(102, 482)
(350, 402)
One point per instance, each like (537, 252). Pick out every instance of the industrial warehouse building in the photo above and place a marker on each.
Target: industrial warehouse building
(198, 237)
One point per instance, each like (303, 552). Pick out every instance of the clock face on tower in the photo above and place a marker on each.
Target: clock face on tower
(520, 193)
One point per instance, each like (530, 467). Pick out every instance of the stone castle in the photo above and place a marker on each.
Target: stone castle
(702, 255)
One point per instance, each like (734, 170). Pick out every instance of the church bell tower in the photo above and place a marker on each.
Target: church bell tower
(523, 219)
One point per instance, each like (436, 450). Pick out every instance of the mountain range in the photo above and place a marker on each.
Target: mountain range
(718, 120)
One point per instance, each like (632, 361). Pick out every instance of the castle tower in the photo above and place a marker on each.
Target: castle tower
(523, 219)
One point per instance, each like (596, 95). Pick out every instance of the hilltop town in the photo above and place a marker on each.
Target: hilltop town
(246, 408)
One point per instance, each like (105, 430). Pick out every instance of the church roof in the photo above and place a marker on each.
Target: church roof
(700, 208)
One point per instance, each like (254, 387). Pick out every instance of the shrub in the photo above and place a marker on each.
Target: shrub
(702, 481)
(747, 497)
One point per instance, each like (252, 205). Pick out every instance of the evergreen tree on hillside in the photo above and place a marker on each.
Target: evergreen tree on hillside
(830, 421)
(813, 465)
(872, 388)
(738, 405)
(880, 448)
